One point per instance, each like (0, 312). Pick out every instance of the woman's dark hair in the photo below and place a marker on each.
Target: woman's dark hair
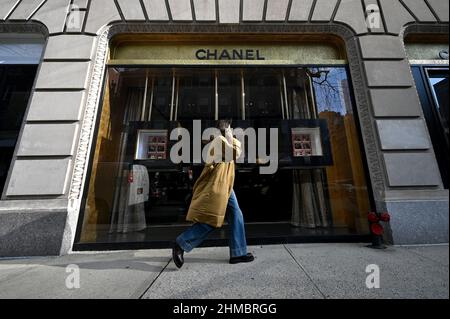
(222, 125)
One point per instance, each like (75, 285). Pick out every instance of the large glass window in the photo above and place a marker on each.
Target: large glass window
(438, 80)
(432, 86)
(136, 194)
(19, 56)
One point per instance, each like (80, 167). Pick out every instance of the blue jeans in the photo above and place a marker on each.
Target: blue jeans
(197, 233)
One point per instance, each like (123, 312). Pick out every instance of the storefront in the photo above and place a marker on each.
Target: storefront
(137, 194)
(20, 57)
(355, 91)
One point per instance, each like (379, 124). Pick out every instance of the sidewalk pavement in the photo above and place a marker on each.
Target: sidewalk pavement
(279, 271)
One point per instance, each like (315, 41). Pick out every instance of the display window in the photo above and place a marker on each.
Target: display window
(20, 55)
(432, 86)
(136, 194)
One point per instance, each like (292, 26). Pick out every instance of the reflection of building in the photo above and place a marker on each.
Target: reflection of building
(346, 183)
(346, 97)
(126, 68)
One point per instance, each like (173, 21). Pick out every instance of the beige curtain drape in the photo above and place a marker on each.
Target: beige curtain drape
(309, 203)
(127, 217)
(309, 207)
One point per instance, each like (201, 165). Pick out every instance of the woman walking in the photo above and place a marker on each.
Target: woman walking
(213, 200)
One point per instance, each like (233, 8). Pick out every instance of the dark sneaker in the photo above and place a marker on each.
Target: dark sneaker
(178, 255)
(242, 259)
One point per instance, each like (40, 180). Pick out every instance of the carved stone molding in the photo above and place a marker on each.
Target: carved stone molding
(89, 118)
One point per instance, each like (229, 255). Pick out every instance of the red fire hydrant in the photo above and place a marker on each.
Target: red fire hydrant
(376, 229)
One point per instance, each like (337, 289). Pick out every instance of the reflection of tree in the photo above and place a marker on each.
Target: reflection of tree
(320, 77)
(326, 82)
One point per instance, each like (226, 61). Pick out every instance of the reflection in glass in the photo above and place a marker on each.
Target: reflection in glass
(130, 198)
(440, 89)
(161, 95)
(346, 179)
(229, 94)
(195, 95)
(263, 98)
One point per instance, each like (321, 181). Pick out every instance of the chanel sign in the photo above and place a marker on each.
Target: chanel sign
(232, 54)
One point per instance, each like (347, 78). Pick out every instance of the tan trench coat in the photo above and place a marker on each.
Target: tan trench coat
(214, 186)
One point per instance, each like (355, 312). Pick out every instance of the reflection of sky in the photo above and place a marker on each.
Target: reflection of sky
(332, 95)
(435, 81)
(23, 53)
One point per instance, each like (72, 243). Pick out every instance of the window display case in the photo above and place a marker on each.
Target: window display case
(151, 145)
(306, 142)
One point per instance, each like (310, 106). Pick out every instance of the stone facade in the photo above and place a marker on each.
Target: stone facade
(58, 130)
